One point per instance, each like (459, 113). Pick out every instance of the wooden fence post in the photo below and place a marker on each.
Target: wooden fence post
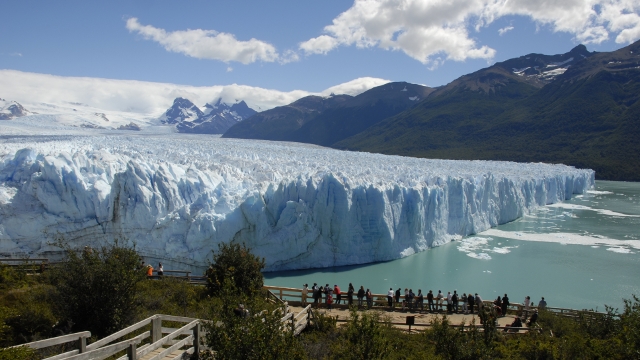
(82, 344)
(196, 341)
(156, 329)
(132, 351)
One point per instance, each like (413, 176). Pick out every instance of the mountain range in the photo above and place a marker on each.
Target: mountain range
(579, 108)
(214, 119)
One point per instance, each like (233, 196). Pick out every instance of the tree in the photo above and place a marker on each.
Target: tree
(97, 287)
(236, 263)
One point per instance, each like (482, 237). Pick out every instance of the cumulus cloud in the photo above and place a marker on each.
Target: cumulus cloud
(432, 31)
(504, 30)
(207, 44)
(149, 97)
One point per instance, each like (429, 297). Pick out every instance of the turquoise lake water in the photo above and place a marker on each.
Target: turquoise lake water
(583, 254)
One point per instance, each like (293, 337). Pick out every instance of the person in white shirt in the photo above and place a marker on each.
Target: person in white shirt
(439, 298)
(449, 303)
(390, 298)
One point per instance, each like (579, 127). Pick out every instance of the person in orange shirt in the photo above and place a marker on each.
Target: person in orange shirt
(149, 270)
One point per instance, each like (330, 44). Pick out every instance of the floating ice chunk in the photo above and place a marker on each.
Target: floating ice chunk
(582, 207)
(480, 256)
(597, 192)
(620, 250)
(564, 238)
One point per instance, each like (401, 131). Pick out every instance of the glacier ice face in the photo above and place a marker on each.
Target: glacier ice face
(299, 206)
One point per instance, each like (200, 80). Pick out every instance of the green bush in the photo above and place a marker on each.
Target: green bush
(236, 263)
(254, 332)
(18, 353)
(97, 287)
(366, 336)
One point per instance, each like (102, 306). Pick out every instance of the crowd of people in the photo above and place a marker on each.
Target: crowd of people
(452, 303)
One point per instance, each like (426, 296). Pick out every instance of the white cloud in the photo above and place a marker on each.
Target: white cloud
(432, 31)
(207, 44)
(229, 69)
(149, 97)
(16, 54)
(320, 45)
(355, 87)
(504, 30)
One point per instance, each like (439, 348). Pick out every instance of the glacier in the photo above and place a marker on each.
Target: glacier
(176, 197)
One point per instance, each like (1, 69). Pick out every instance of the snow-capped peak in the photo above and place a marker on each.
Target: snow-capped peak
(12, 109)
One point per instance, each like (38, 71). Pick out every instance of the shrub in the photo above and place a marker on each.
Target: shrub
(97, 287)
(256, 333)
(366, 336)
(18, 353)
(236, 263)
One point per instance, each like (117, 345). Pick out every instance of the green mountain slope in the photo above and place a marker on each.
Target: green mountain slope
(325, 121)
(281, 122)
(588, 117)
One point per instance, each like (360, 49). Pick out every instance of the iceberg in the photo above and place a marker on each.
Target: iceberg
(176, 197)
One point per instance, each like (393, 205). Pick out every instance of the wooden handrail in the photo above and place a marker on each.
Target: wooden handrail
(121, 333)
(58, 340)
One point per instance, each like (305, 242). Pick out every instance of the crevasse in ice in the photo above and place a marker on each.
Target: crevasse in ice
(297, 205)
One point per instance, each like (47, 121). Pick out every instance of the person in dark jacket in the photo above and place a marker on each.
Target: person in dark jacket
(398, 295)
(533, 318)
(505, 304)
(470, 302)
(430, 305)
(350, 294)
(360, 296)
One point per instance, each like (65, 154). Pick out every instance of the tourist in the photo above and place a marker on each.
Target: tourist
(449, 303)
(336, 291)
(439, 299)
(454, 299)
(369, 299)
(430, 301)
(505, 305)
(360, 296)
(350, 292)
(150, 271)
(463, 299)
(527, 304)
(410, 298)
(497, 305)
(533, 318)
(406, 297)
(315, 291)
(328, 292)
(398, 295)
(479, 303)
(329, 300)
(542, 304)
(420, 300)
(390, 298)
(517, 323)
(471, 302)
(160, 269)
(305, 291)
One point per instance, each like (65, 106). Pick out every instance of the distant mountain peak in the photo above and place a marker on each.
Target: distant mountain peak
(11, 110)
(181, 110)
(216, 118)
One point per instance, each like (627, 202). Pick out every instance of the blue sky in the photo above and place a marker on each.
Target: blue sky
(429, 42)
